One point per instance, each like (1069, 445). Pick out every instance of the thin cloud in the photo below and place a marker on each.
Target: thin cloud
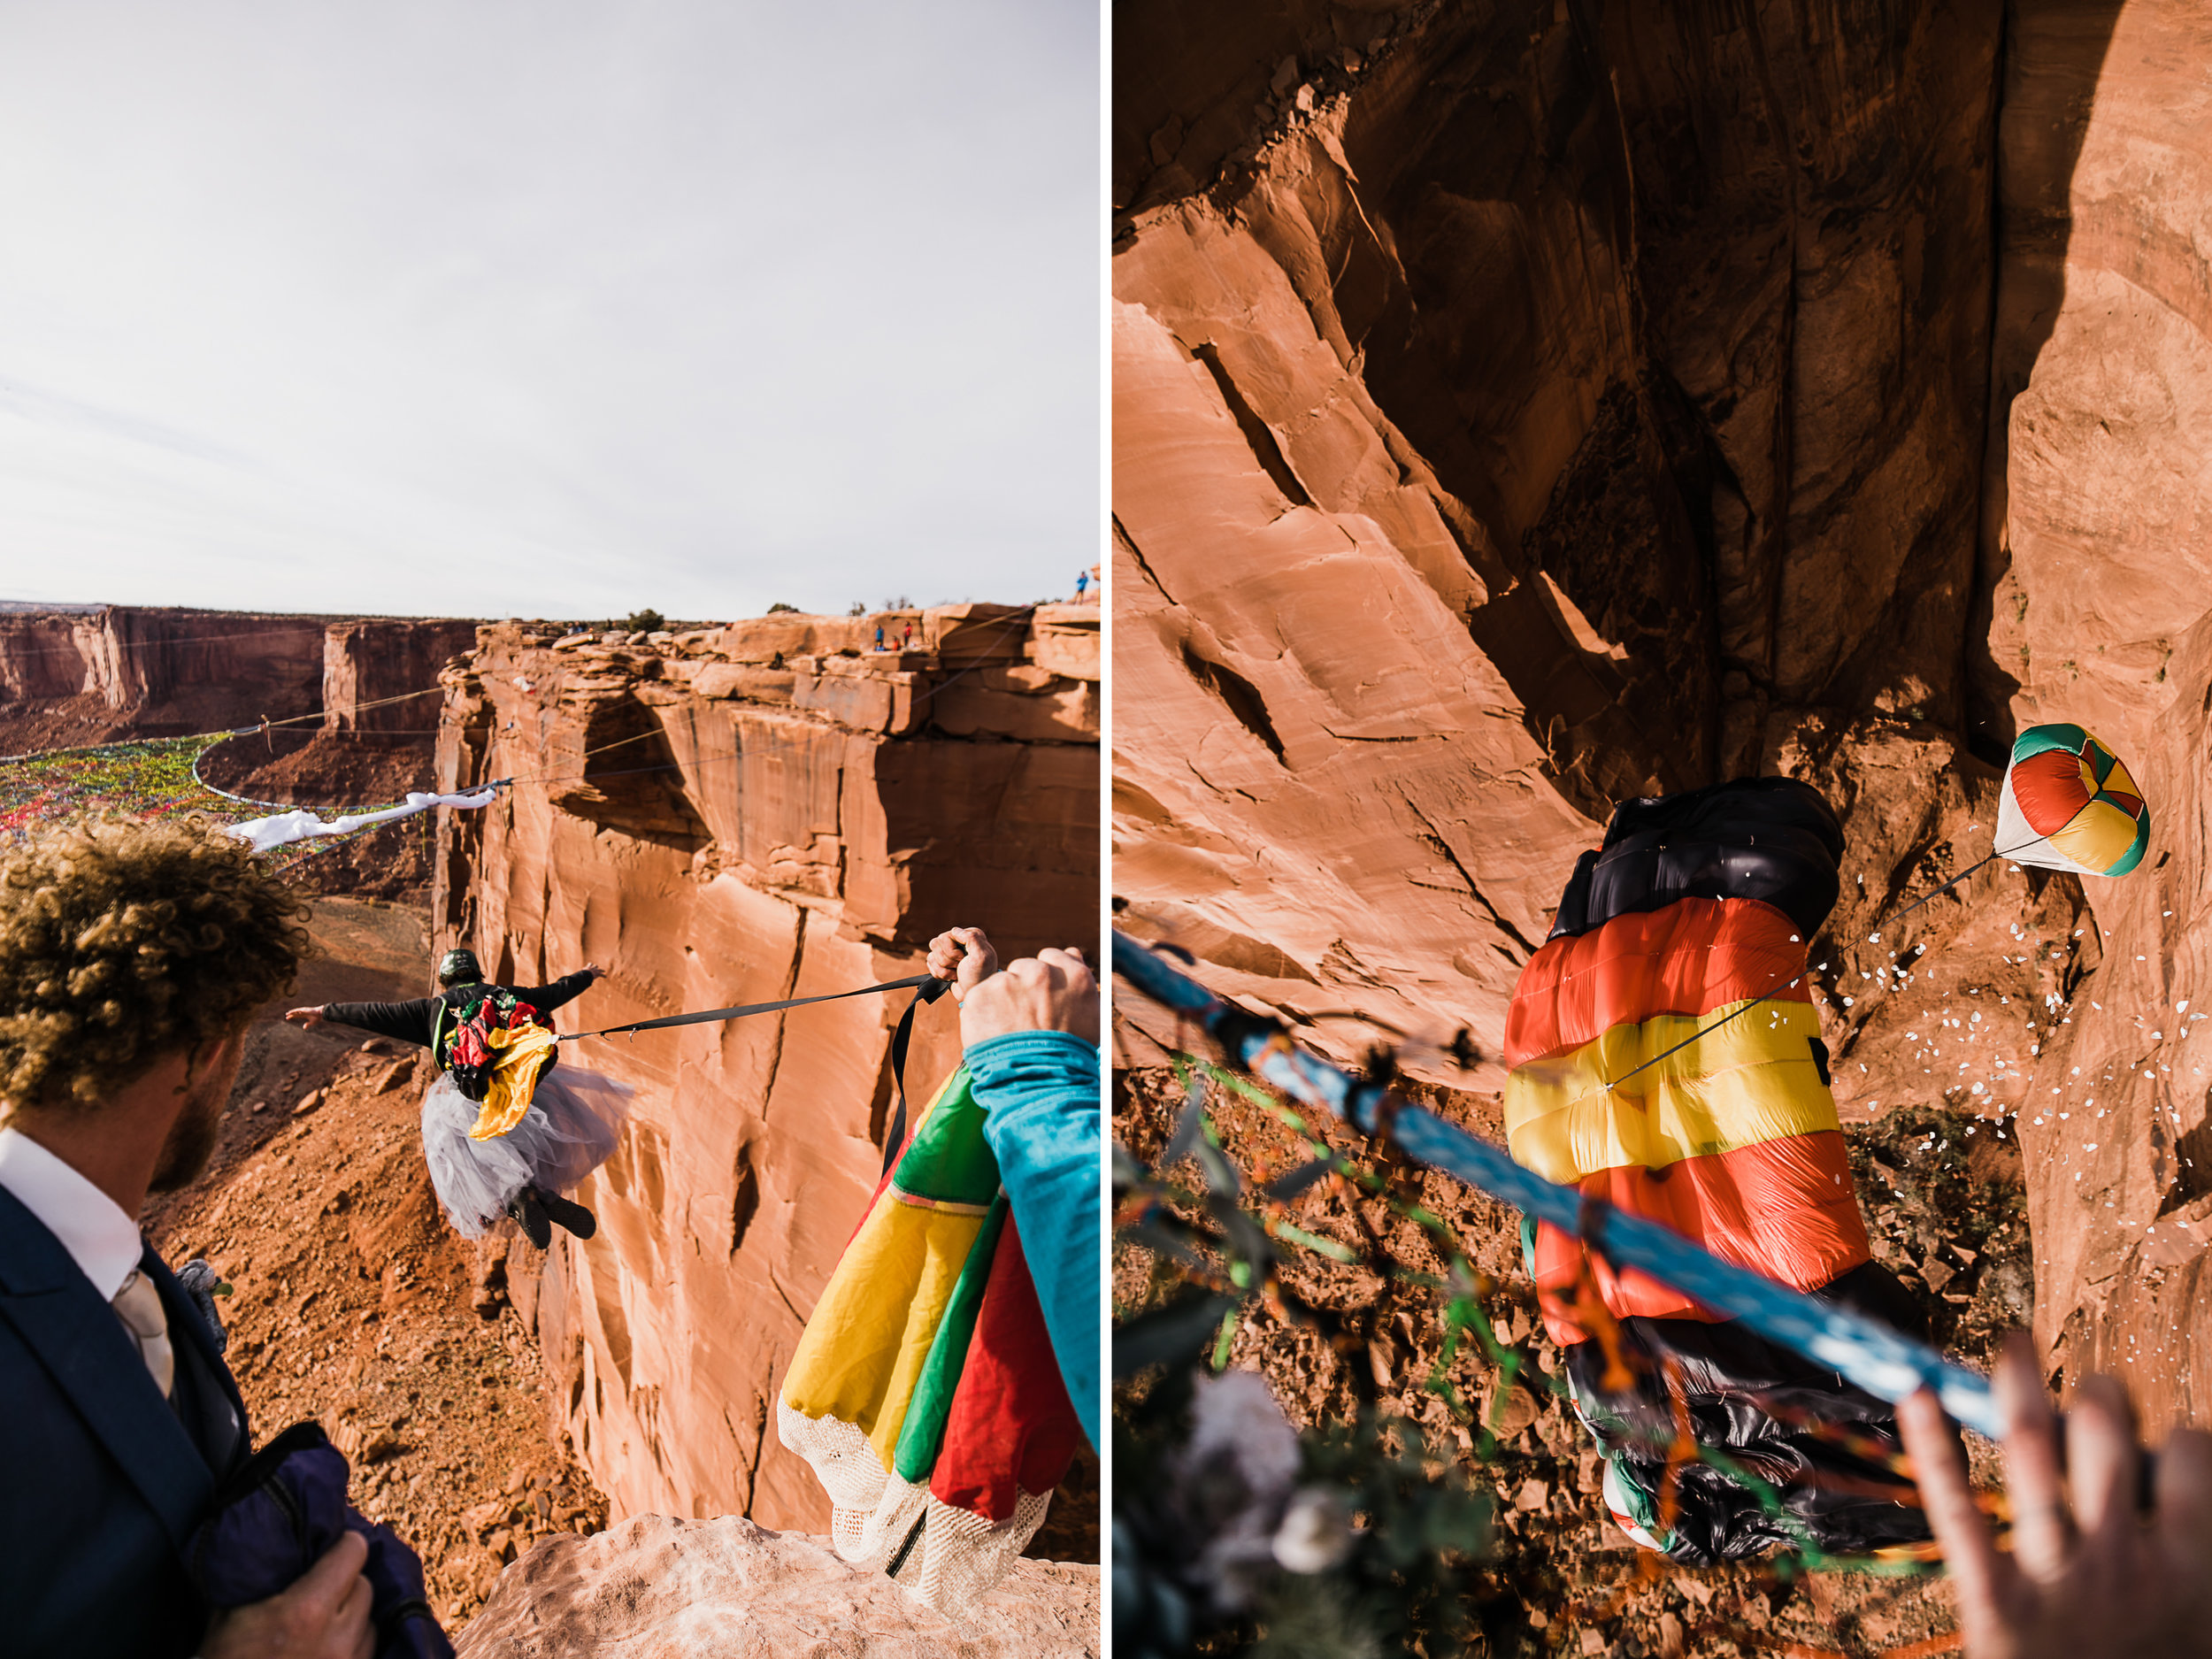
(547, 309)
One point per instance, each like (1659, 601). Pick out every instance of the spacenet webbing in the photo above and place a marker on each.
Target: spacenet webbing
(1886, 1364)
(927, 987)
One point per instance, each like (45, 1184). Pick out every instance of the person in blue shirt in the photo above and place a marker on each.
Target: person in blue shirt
(1030, 1035)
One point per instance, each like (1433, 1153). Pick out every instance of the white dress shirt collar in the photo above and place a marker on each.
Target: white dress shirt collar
(92, 1227)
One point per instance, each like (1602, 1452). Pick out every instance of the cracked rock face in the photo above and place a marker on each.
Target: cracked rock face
(2100, 616)
(1553, 414)
(730, 816)
(134, 670)
(1524, 406)
(659, 1589)
(126, 670)
(381, 661)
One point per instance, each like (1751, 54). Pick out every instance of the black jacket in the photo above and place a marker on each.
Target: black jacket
(101, 1480)
(410, 1022)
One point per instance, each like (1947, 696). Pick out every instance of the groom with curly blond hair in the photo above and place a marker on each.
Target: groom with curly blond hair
(133, 957)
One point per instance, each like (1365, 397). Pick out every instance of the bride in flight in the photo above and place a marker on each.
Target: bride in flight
(504, 1130)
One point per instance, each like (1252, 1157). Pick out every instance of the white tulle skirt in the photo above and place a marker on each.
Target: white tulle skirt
(570, 1130)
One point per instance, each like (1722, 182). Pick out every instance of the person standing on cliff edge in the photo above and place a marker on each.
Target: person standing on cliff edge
(502, 1130)
(132, 958)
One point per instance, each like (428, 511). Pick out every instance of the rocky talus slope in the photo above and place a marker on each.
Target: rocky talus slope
(353, 1302)
(736, 814)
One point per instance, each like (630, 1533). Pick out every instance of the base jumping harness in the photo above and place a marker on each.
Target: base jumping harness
(465, 1037)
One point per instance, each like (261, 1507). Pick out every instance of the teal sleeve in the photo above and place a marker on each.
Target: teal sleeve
(1039, 1091)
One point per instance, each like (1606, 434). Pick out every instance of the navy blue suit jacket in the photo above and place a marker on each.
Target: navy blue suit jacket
(101, 1484)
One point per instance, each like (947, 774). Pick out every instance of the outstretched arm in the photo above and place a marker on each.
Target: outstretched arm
(408, 1022)
(546, 998)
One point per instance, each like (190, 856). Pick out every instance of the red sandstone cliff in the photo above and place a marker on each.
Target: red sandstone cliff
(2096, 557)
(126, 670)
(1521, 406)
(737, 815)
(379, 659)
(1542, 407)
(138, 671)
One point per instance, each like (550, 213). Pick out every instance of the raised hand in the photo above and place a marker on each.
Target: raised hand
(2089, 1576)
(963, 955)
(1053, 990)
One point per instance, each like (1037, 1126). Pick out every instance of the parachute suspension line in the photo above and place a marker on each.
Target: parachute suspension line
(1706, 1031)
(2005, 852)
(1702, 1030)
(1866, 1352)
(1936, 893)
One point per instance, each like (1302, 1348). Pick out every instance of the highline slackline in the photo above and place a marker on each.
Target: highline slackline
(1878, 1359)
(927, 987)
(153, 778)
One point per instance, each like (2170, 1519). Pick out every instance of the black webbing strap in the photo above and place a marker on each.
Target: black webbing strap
(927, 987)
(894, 1139)
(920, 981)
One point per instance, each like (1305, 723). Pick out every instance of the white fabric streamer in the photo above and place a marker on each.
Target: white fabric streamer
(284, 828)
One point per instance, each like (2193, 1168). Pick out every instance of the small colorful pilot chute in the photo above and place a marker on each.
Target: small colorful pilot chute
(2070, 804)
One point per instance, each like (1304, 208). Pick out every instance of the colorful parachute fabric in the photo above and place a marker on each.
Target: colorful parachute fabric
(495, 1048)
(2069, 804)
(924, 1391)
(151, 779)
(1699, 907)
(155, 778)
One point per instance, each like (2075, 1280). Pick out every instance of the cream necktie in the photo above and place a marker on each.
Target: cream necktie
(138, 1304)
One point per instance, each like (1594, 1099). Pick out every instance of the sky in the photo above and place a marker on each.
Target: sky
(552, 309)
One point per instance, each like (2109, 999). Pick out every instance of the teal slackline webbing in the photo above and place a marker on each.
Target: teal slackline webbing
(1886, 1364)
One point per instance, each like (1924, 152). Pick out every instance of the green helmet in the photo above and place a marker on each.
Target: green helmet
(459, 967)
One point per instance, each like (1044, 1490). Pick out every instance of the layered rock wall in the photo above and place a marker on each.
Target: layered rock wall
(135, 672)
(369, 665)
(739, 815)
(153, 672)
(2097, 555)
